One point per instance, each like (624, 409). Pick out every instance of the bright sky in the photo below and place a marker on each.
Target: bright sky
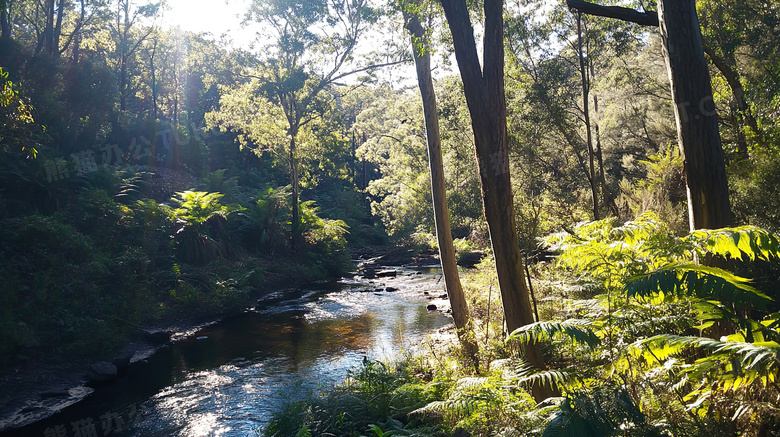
(224, 17)
(215, 16)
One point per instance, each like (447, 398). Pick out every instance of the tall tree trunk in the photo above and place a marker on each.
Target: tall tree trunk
(586, 113)
(123, 82)
(449, 265)
(5, 22)
(154, 79)
(295, 227)
(484, 90)
(55, 48)
(48, 27)
(694, 109)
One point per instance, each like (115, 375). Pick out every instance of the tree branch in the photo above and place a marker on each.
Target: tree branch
(646, 18)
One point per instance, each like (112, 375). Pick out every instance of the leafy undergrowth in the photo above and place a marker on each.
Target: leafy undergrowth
(645, 333)
(79, 281)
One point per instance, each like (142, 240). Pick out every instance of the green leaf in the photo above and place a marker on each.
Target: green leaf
(577, 330)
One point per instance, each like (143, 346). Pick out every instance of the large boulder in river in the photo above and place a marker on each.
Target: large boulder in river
(122, 363)
(368, 272)
(101, 372)
(470, 259)
(386, 274)
(158, 337)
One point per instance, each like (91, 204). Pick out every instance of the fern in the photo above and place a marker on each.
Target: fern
(604, 411)
(688, 279)
(468, 395)
(756, 361)
(743, 243)
(575, 329)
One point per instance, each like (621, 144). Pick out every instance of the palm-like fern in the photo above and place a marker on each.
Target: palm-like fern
(265, 221)
(601, 412)
(733, 363)
(576, 329)
(196, 207)
(196, 246)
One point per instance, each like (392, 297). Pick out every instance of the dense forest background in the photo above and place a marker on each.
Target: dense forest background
(148, 172)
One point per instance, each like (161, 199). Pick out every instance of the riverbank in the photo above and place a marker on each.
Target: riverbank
(390, 293)
(43, 386)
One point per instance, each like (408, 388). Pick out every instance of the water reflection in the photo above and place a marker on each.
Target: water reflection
(228, 379)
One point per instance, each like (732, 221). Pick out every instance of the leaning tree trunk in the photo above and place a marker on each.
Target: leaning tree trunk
(449, 266)
(694, 109)
(484, 90)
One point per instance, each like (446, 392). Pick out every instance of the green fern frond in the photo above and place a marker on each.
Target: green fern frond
(576, 329)
(688, 279)
(596, 413)
(549, 378)
(743, 243)
(759, 360)
(459, 406)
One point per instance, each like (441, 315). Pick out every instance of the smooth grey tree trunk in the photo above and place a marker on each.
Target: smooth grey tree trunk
(449, 265)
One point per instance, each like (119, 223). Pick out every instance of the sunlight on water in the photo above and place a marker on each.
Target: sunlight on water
(228, 379)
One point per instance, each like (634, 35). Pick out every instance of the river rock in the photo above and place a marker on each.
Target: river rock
(460, 432)
(158, 337)
(55, 393)
(391, 289)
(368, 272)
(470, 259)
(122, 363)
(431, 307)
(101, 372)
(386, 274)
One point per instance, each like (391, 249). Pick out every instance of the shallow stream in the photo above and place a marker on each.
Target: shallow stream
(228, 379)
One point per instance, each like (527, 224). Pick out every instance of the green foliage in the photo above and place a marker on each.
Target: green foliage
(320, 230)
(601, 412)
(16, 120)
(577, 330)
(375, 396)
(215, 182)
(196, 207)
(196, 244)
(264, 223)
(662, 190)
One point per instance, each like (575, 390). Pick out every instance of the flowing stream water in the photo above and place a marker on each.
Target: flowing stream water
(229, 378)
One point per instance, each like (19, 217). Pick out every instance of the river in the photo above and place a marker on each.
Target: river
(229, 378)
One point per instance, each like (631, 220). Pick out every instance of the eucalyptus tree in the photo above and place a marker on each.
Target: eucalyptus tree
(694, 107)
(5, 19)
(485, 96)
(422, 57)
(309, 47)
(129, 33)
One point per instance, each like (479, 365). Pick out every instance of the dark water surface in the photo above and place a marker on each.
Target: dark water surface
(228, 379)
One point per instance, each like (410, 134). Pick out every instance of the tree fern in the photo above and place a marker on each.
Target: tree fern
(689, 279)
(743, 243)
(576, 329)
(603, 411)
(468, 395)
